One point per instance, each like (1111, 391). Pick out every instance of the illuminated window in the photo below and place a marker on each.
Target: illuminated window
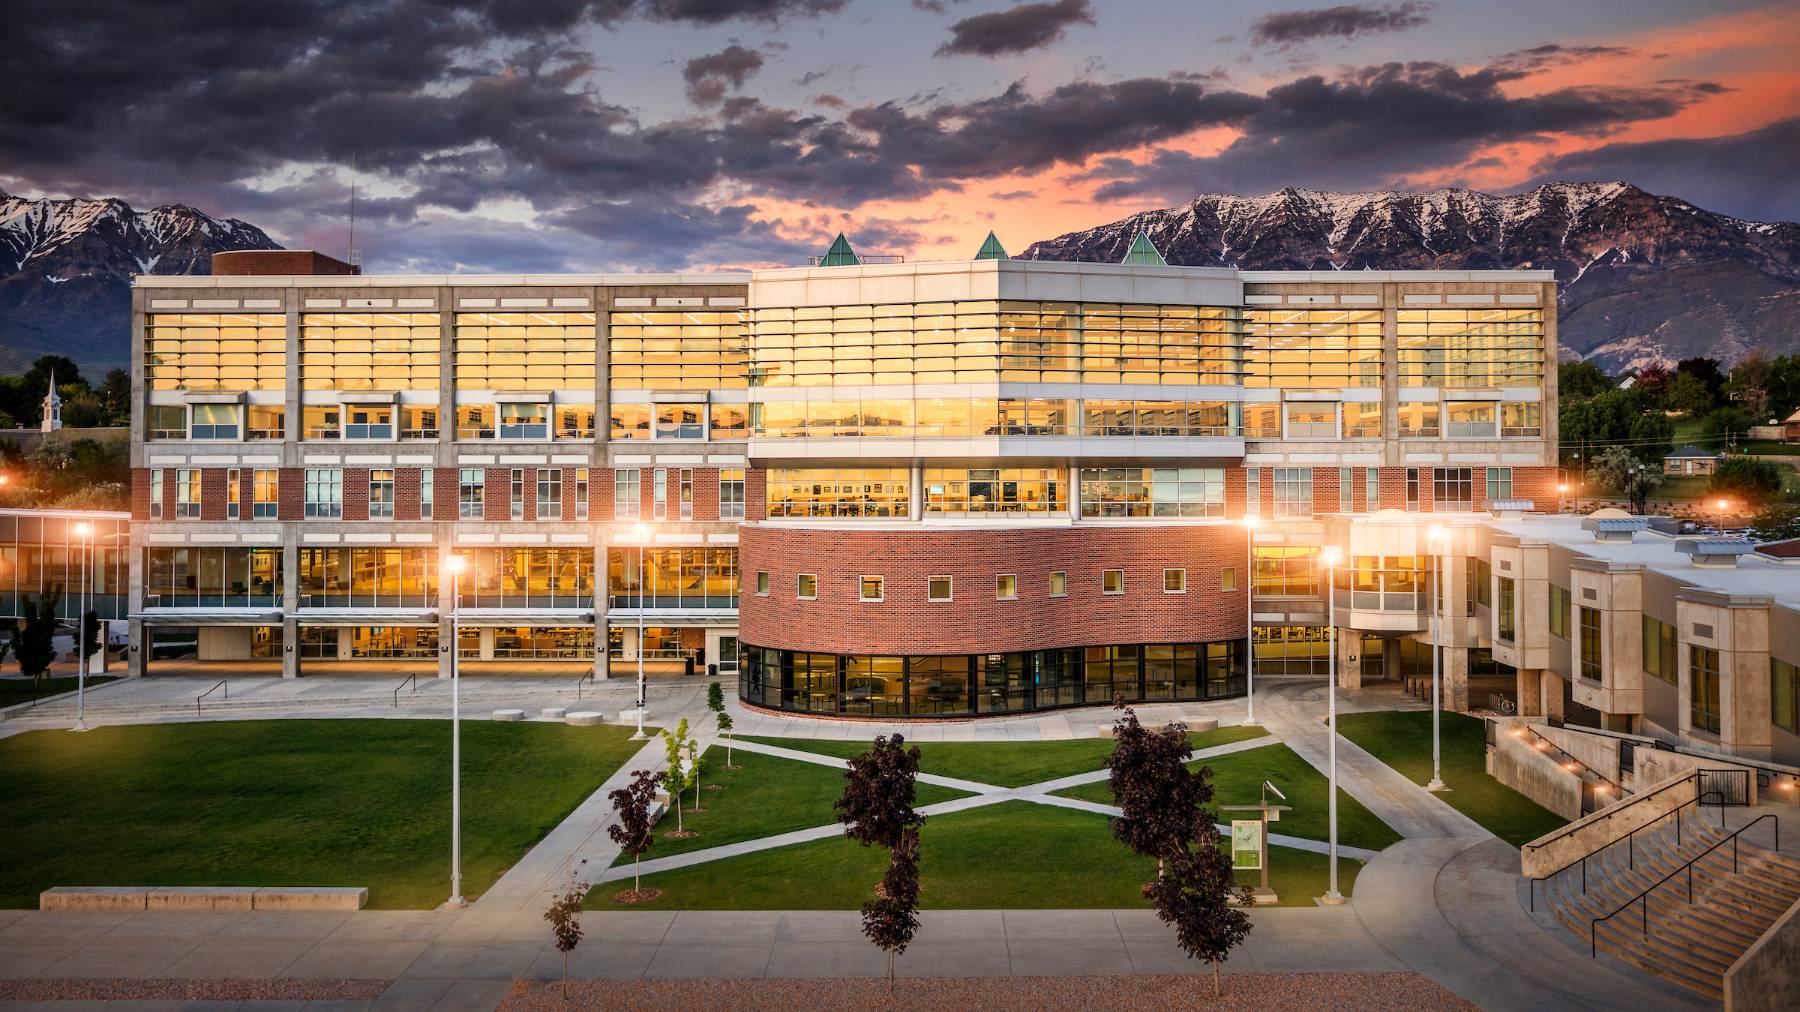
(806, 586)
(1703, 687)
(524, 421)
(1006, 587)
(1152, 492)
(628, 503)
(1262, 421)
(575, 421)
(939, 588)
(963, 491)
(1317, 348)
(871, 588)
(1174, 581)
(365, 421)
(681, 421)
(1591, 668)
(1418, 420)
(381, 494)
(1362, 420)
(1112, 581)
(630, 421)
(532, 350)
(418, 421)
(549, 493)
(731, 493)
(1282, 571)
(839, 492)
(223, 351)
(187, 492)
(369, 351)
(683, 349)
(581, 493)
(475, 421)
(266, 421)
(266, 494)
(1471, 347)
(730, 421)
(1521, 418)
(1311, 421)
(1059, 584)
(1469, 419)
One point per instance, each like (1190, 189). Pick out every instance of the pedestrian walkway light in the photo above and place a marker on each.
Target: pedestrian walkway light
(455, 564)
(85, 532)
(1250, 522)
(1330, 557)
(1438, 537)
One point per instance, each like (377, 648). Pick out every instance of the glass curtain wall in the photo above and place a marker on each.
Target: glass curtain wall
(674, 578)
(212, 578)
(42, 555)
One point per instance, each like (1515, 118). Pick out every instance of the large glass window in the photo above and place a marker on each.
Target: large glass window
(368, 421)
(369, 351)
(1469, 419)
(1384, 582)
(1152, 492)
(533, 350)
(215, 421)
(681, 421)
(549, 493)
(471, 492)
(188, 492)
(839, 492)
(381, 494)
(961, 491)
(475, 421)
(1301, 348)
(672, 578)
(1292, 650)
(369, 578)
(529, 578)
(730, 421)
(1293, 492)
(731, 493)
(212, 578)
(1591, 651)
(1522, 418)
(677, 349)
(1703, 687)
(1471, 347)
(1284, 571)
(1505, 617)
(266, 494)
(1560, 611)
(1156, 418)
(1419, 420)
(1309, 420)
(215, 351)
(629, 421)
(1452, 487)
(524, 421)
(1784, 694)
(1362, 420)
(628, 503)
(1659, 649)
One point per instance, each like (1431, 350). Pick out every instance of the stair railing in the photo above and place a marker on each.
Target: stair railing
(222, 695)
(1698, 800)
(412, 680)
(1644, 897)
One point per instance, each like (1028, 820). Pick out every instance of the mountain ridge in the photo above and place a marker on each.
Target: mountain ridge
(66, 266)
(1642, 276)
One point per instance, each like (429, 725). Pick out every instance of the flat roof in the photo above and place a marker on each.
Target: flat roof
(1754, 576)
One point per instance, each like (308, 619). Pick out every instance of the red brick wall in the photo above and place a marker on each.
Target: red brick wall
(293, 493)
(756, 493)
(1537, 484)
(706, 493)
(906, 622)
(647, 492)
(406, 493)
(140, 493)
(600, 488)
(1235, 487)
(1393, 488)
(247, 493)
(568, 491)
(447, 487)
(1325, 489)
(530, 490)
(356, 493)
(497, 496)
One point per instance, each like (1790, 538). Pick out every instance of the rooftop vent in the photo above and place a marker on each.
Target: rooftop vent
(1720, 553)
(1617, 529)
(1511, 508)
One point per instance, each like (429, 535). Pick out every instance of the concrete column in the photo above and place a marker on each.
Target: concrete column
(137, 656)
(1349, 659)
(1456, 679)
(1074, 485)
(1530, 692)
(915, 499)
(290, 599)
(1554, 687)
(343, 642)
(290, 646)
(1390, 658)
(602, 662)
(487, 643)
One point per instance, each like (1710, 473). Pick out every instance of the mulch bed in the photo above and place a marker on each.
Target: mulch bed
(178, 989)
(632, 897)
(1250, 992)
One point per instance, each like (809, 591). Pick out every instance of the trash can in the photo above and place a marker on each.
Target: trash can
(712, 671)
(690, 665)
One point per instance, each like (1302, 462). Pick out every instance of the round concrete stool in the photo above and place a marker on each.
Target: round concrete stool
(509, 714)
(1201, 723)
(554, 712)
(585, 718)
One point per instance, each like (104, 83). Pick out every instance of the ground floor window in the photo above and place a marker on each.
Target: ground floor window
(521, 643)
(962, 684)
(1703, 687)
(1293, 650)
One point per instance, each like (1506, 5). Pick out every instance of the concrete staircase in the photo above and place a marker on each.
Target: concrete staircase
(1688, 944)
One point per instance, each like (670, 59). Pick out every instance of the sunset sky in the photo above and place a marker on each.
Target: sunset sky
(626, 135)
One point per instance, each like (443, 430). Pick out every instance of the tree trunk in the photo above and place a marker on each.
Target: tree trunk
(890, 971)
(1215, 964)
(637, 880)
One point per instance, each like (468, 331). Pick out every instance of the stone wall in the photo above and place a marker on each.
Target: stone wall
(1597, 752)
(1767, 975)
(1520, 766)
(1551, 852)
(1655, 765)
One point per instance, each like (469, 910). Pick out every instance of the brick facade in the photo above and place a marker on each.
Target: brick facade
(905, 622)
(406, 493)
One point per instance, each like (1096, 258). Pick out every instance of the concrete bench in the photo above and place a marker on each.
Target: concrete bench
(1200, 723)
(554, 712)
(202, 898)
(585, 718)
(509, 714)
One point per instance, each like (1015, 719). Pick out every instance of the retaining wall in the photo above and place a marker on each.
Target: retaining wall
(1767, 975)
(1521, 766)
(1538, 858)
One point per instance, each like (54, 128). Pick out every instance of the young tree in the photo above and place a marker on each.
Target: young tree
(1194, 894)
(632, 831)
(1688, 393)
(892, 918)
(1653, 380)
(34, 645)
(564, 916)
(724, 722)
(715, 697)
(877, 810)
(1153, 788)
(675, 779)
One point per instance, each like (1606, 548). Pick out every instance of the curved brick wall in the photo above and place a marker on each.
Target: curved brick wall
(906, 623)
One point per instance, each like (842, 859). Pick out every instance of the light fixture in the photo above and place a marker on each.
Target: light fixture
(1330, 556)
(456, 563)
(1436, 533)
(83, 529)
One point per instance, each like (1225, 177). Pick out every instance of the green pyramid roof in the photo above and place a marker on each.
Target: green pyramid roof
(992, 250)
(1143, 253)
(840, 254)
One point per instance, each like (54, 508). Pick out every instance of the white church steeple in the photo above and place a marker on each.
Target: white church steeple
(52, 408)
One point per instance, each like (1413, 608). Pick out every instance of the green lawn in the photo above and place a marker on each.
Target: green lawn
(1237, 780)
(1403, 741)
(767, 797)
(1770, 447)
(1009, 763)
(1014, 855)
(288, 802)
(19, 690)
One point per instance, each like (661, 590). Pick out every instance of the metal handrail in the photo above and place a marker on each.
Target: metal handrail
(413, 680)
(1644, 897)
(1631, 837)
(589, 677)
(1570, 829)
(226, 695)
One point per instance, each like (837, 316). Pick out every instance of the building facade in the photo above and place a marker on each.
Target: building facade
(917, 490)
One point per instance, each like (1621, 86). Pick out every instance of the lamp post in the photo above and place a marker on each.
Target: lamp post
(1720, 506)
(455, 564)
(85, 532)
(1250, 522)
(1329, 558)
(1436, 536)
(640, 534)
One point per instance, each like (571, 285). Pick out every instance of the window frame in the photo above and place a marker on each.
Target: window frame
(1181, 581)
(802, 583)
(1053, 579)
(863, 584)
(1000, 592)
(931, 589)
(1112, 576)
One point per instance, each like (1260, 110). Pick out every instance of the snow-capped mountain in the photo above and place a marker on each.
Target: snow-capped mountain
(1643, 276)
(66, 267)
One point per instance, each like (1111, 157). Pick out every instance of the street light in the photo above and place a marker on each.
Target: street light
(1437, 536)
(1330, 557)
(640, 533)
(85, 532)
(1720, 505)
(455, 564)
(1250, 522)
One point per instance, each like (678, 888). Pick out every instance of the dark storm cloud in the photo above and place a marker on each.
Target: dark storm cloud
(1315, 132)
(1552, 55)
(1290, 28)
(1750, 175)
(1020, 30)
(709, 76)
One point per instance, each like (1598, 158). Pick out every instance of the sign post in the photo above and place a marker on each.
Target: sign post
(1250, 839)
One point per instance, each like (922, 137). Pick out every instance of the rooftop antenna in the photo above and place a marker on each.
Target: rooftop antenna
(355, 260)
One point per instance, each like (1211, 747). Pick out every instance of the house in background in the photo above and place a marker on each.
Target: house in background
(1690, 459)
(1790, 428)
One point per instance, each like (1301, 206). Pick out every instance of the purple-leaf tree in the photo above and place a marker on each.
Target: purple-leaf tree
(1194, 892)
(877, 810)
(1153, 788)
(564, 916)
(632, 804)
